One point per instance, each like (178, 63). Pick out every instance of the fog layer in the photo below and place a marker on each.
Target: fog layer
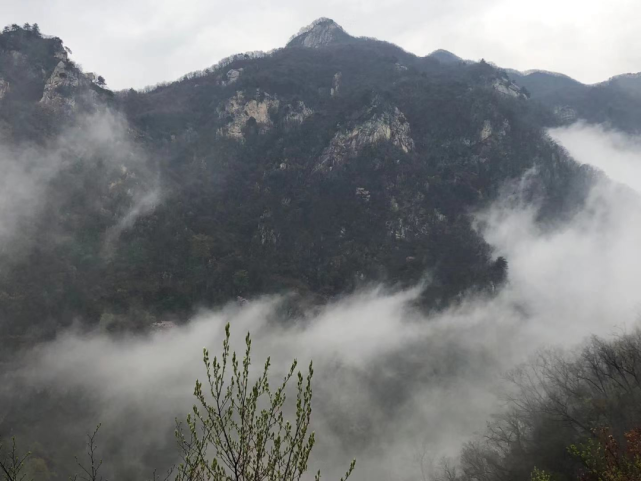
(394, 388)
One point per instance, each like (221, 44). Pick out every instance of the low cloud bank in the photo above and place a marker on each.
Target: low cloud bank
(615, 153)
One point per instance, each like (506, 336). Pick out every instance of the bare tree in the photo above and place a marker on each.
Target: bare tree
(12, 465)
(90, 472)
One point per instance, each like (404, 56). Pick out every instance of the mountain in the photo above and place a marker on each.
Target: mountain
(332, 163)
(444, 56)
(328, 165)
(629, 83)
(616, 102)
(37, 79)
(320, 33)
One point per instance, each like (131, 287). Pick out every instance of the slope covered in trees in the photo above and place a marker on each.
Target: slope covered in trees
(570, 415)
(331, 163)
(615, 102)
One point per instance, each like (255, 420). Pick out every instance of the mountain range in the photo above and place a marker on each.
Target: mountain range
(333, 163)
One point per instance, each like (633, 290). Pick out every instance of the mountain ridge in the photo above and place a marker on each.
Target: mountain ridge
(325, 32)
(315, 168)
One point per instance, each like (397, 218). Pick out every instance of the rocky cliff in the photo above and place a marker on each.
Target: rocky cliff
(377, 124)
(36, 69)
(320, 33)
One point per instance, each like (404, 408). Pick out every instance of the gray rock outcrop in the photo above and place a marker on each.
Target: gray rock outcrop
(65, 85)
(320, 33)
(238, 110)
(390, 125)
(297, 114)
(4, 88)
(507, 87)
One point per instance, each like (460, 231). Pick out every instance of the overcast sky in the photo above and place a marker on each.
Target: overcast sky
(134, 43)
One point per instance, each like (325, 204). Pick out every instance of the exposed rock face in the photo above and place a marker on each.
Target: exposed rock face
(18, 57)
(336, 84)
(266, 233)
(297, 114)
(238, 110)
(388, 126)
(363, 194)
(60, 78)
(232, 76)
(565, 113)
(507, 87)
(486, 132)
(64, 84)
(4, 88)
(320, 33)
(489, 131)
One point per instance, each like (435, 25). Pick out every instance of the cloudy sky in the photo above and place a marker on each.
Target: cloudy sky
(134, 43)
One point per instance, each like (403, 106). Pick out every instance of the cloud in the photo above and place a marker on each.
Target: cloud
(394, 387)
(615, 153)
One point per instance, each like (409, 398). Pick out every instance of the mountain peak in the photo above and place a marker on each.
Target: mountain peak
(321, 32)
(445, 56)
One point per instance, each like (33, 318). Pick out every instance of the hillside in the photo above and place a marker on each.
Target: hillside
(615, 102)
(332, 163)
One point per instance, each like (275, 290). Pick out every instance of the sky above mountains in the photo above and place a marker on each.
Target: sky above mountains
(143, 42)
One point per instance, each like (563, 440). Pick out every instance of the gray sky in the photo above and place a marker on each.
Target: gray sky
(134, 43)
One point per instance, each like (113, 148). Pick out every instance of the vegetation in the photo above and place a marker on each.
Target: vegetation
(616, 102)
(237, 431)
(567, 416)
(253, 216)
(12, 463)
(244, 425)
(605, 460)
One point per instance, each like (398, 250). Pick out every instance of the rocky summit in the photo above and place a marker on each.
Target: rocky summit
(320, 33)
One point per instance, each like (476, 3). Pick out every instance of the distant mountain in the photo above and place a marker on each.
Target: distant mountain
(326, 165)
(629, 83)
(616, 102)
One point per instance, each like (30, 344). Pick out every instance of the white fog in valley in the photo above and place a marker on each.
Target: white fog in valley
(392, 389)
(616, 154)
